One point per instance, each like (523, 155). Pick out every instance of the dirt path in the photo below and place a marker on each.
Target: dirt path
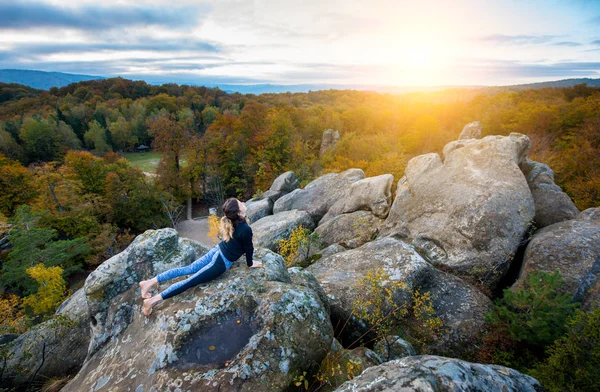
(196, 229)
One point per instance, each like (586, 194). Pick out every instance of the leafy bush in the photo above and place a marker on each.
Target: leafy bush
(535, 314)
(297, 247)
(574, 359)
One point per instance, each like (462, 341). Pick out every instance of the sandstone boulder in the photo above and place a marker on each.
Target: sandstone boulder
(471, 131)
(370, 194)
(430, 373)
(470, 212)
(248, 330)
(552, 205)
(329, 139)
(572, 248)
(351, 230)
(268, 231)
(318, 196)
(286, 183)
(258, 209)
(460, 306)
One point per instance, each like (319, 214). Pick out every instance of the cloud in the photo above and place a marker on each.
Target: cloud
(147, 44)
(514, 69)
(596, 42)
(96, 17)
(518, 39)
(566, 43)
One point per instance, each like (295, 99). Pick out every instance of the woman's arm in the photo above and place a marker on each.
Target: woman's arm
(249, 248)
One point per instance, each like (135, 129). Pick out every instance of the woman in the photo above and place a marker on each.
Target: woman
(237, 240)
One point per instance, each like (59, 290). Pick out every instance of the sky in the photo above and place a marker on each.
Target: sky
(351, 42)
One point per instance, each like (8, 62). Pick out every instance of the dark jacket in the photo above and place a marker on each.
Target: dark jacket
(240, 243)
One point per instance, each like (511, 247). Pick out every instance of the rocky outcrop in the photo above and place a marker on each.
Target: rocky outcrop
(262, 206)
(470, 212)
(351, 230)
(285, 183)
(329, 139)
(258, 209)
(552, 205)
(268, 231)
(55, 348)
(471, 131)
(431, 373)
(370, 194)
(318, 196)
(460, 306)
(572, 248)
(393, 347)
(248, 330)
(339, 361)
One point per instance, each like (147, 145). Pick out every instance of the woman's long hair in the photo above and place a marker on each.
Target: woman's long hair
(231, 209)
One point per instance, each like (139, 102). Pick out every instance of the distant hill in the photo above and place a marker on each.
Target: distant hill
(40, 79)
(46, 80)
(557, 84)
(14, 92)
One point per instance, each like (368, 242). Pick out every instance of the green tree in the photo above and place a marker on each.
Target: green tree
(535, 314)
(95, 139)
(32, 245)
(573, 363)
(40, 141)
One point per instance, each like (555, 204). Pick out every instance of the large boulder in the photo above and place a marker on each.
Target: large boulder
(329, 139)
(248, 330)
(258, 209)
(370, 194)
(460, 306)
(552, 205)
(286, 183)
(470, 212)
(318, 196)
(471, 131)
(54, 348)
(430, 373)
(149, 254)
(572, 248)
(268, 231)
(352, 230)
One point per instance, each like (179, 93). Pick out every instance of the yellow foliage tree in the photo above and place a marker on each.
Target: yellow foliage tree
(213, 228)
(12, 316)
(51, 291)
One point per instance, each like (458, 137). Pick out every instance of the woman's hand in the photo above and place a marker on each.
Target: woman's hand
(256, 264)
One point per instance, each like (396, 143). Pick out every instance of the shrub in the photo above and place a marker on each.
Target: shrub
(574, 359)
(298, 246)
(535, 314)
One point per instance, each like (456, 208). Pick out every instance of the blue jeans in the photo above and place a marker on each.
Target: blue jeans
(206, 268)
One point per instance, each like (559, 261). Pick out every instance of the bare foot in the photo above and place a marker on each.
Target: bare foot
(146, 285)
(149, 304)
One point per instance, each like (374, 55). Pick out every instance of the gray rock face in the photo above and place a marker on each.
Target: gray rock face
(259, 209)
(330, 138)
(571, 248)
(471, 131)
(460, 306)
(62, 341)
(351, 230)
(149, 254)
(591, 214)
(268, 231)
(285, 183)
(552, 205)
(393, 347)
(430, 373)
(248, 330)
(370, 194)
(318, 196)
(470, 212)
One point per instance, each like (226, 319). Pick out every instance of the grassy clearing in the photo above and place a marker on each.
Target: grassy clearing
(146, 161)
